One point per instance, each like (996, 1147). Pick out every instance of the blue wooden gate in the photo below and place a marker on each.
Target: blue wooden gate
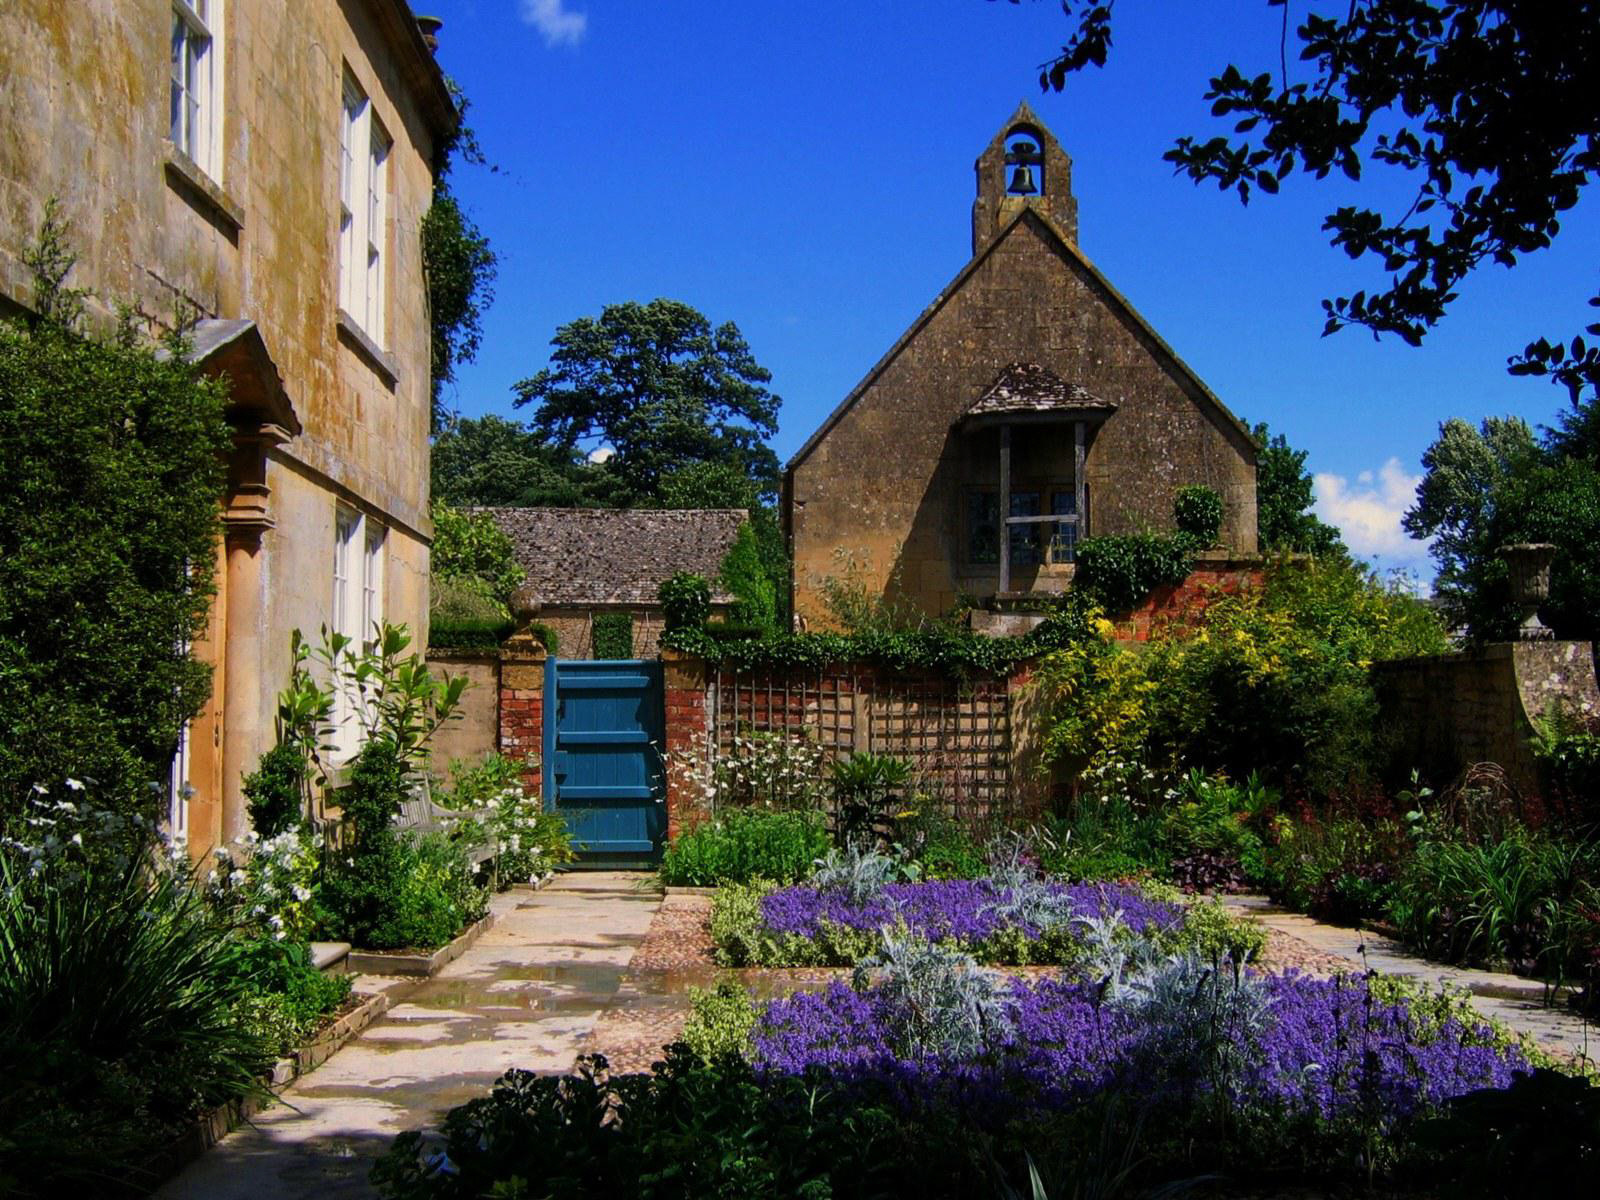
(603, 736)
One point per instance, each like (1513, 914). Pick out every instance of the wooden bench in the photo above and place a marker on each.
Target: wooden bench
(420, 814)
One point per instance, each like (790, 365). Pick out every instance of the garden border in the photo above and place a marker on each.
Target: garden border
(421, 966)
(211, 1127)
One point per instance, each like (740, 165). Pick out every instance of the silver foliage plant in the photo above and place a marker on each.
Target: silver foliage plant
(1022, 895)
(940, 1000)
(859, 872)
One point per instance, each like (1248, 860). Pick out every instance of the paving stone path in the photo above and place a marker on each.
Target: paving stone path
(1517, 1001)
(526, 994)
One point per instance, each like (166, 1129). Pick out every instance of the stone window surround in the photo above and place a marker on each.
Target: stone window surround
(195, 104)
(364, 204)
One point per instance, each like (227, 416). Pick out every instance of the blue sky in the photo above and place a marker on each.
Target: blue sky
(805, 170)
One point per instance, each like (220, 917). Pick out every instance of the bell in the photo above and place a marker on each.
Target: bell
(1022, 181)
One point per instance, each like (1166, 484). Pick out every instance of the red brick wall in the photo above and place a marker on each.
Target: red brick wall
(686, 744)
(1183, 601)
(522, 731)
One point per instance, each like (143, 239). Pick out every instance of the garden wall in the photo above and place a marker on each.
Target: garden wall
(502, 708)
(477, 730)
(1447, 712)
(1182, 601)
(968, 740)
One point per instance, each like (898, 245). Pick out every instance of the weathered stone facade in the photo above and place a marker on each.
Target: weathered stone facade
(326, 415)
(892, 478)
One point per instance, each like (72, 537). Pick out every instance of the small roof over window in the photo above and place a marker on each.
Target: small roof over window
(1026, 391)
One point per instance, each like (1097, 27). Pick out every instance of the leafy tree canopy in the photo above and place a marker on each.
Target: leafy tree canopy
(111, 466)
(1284, 520)
(1498, 484)
(492, 461)
(457, 261)
(664, 389)
(1490, 105)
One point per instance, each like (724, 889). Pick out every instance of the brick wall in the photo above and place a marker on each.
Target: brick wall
(1180, 602)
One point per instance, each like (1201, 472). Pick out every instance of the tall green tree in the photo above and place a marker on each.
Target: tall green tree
(1498, 484)
(1489, 106)
(111, 468)
(492, 461)
(1284, 497)
(757, 568)
(664, 389)
(457, 261)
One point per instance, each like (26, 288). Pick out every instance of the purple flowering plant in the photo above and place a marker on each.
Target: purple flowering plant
(1324, 1049)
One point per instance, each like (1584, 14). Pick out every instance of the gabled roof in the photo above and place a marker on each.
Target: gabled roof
(235, 349)
(589, 556)
(1027, 389)
(1057, 237)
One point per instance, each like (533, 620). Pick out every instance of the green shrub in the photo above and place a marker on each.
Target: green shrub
(1119, 571)
(1213, 933)
(288, 997)
(744, 574)
(865, 786)
(473, 552)
(940, 847)
(1198, 513)
(720, 1021)
(685, 601)
(120, 997)
(386, 890)
(275, 790)
(1493, 903)
(463, 616)
(1340, 869)
(1567, 747)
(746, 844)
(613, 635)
(529, 840)
(112, 460)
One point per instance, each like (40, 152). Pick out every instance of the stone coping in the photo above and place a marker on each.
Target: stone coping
(331, 958)
(691, 891)
(380, 962)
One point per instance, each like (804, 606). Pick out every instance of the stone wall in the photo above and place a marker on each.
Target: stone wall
(476, 731)
(254, 237)
(1444, 713)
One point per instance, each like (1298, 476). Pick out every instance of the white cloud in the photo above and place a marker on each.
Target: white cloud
(551, 18)
(1368, 511)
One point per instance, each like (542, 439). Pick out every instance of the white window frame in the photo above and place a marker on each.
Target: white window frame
(358, 576)
(364, 149)
(178, 790)
(194, 105)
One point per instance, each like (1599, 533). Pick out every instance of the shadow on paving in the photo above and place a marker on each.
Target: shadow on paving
(526, 995)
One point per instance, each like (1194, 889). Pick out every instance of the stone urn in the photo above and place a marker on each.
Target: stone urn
(1529, 564)
(525, 605)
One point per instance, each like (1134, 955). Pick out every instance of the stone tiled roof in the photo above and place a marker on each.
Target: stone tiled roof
(585, 556)
(1030, 388)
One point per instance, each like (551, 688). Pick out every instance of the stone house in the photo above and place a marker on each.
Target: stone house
(582, 562)
(266, 167)
(1028, 406)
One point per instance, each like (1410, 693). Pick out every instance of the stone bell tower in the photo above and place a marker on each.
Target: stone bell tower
(1023, 167)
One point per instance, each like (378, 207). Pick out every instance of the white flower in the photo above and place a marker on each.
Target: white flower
(41, 789)
(237, 878)
(77, 839)
(302, 893)
(74, 785)
(274, 922)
